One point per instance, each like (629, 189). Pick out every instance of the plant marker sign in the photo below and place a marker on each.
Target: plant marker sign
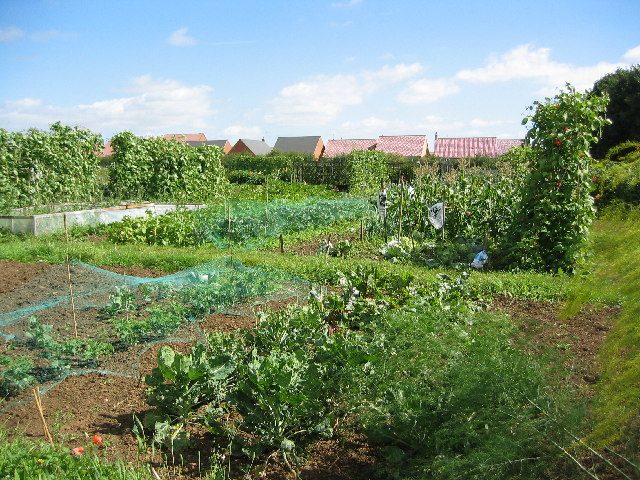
(382, 203)
(436, 215)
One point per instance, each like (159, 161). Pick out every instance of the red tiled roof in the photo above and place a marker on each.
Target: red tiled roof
(186, 137)
(107, 151)
(334, 148)
(473, 147)
(503, 145)
(406, 145)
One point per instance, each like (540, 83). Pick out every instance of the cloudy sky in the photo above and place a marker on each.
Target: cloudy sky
(336, 68)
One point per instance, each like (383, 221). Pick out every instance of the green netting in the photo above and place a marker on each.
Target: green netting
(250, 224)
(119, 318)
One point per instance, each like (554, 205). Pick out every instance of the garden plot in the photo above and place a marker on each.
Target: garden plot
(115, 320)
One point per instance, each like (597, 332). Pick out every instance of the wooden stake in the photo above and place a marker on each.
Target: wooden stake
(281, 244)
(443, 219)
(73, 303)
(401, 184)
(36, 395)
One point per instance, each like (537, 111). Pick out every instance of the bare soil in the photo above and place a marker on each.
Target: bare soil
(576, 340)
(14, 274)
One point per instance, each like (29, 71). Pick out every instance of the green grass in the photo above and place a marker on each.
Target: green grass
(21, 459)
(616, 272)
(316, 268)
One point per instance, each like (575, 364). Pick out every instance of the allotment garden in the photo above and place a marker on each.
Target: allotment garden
(353, 318)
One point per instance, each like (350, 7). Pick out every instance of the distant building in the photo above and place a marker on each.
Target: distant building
(335, 148)
(405, 145)
(186, 137)
(312, 145)
(469, 147)
(107, 151)
(223, 144)
(253, 147)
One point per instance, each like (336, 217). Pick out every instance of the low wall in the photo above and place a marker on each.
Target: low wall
(54, 222)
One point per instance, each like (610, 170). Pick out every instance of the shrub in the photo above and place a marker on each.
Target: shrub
(625, 152)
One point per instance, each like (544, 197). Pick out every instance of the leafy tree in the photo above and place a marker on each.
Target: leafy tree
(623, 88)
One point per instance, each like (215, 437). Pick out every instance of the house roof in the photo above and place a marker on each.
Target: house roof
(217, 143)
(297, 144)
(107, 151)
(406, 145)
(473, 147)
(257, 147)
(186, 137)
(334, 148)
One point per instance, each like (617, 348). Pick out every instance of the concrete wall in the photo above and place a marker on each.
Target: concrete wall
(54, 222)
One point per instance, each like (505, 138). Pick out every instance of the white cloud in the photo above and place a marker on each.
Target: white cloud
(244, 131)
(46, 35)
(179, 38)
(632, 55)
(320, 99)
(11, 33)
(151, 107)
(428, 90)
(528, 62)
(347, 4)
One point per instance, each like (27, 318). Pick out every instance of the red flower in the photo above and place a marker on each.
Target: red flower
(558, 184)
(558, 142)
(97, 440)
(76, 452)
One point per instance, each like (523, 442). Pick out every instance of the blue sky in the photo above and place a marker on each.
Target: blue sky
(336, 68)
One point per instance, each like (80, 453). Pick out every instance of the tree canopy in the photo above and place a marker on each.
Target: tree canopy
(623, 87)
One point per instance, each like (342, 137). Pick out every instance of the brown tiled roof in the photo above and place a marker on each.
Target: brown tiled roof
(334, 148)
(406, 145)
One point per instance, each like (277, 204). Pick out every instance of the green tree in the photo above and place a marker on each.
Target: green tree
(556, 208)
(623, 88)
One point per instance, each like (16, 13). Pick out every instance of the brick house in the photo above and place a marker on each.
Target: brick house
(252, 147)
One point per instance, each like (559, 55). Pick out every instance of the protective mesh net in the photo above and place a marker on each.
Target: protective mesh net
(120, 318)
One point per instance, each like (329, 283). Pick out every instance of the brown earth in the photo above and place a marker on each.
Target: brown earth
(13, 274)
(576, 340)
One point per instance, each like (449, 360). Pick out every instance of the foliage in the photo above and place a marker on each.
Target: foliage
(39, 167)
(277, 189)
(553, 219)
(446, 396)
(617, 181)
(623, 88)
(16, 373)
(479, 209)
(158, 169)
(61, 355)
(160, 321)
(368, 171)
